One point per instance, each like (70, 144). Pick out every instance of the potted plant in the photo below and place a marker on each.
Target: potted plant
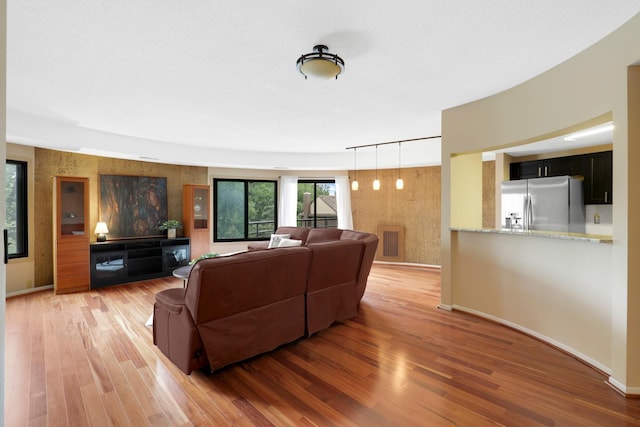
(170, 225)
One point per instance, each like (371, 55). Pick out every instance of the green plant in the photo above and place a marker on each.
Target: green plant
(170, 224)
(205, 256)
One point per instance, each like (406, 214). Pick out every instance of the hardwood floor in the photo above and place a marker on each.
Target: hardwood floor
(88, 359)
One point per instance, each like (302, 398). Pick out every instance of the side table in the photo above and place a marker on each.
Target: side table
(182, 273)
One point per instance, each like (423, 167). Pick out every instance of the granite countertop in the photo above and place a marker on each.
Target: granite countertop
(594, 238)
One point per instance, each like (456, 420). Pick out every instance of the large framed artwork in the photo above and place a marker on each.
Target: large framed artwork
(133, 206)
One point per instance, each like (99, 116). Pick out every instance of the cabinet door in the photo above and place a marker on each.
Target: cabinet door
(559, 166)
(531, 169)
(71, 234)
(197, 217)
(599, 183)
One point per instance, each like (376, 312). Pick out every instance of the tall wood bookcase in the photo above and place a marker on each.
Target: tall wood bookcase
(196, 216)
(71, 234)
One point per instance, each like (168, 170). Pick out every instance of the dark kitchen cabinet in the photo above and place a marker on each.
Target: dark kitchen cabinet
(541, 168)
(597, 169)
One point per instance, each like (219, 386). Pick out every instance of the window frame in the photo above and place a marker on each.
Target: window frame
(246, 183)
(315, 183)
(22, 208)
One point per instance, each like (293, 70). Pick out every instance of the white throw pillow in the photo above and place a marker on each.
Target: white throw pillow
(275, 240)
(286, 243)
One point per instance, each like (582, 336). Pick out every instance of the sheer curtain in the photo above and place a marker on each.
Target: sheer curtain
(343, 200)
(288, 203)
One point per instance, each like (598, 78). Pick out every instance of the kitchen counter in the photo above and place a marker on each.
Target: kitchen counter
(593, 238)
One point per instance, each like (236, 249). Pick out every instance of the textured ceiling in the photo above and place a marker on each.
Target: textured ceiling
(214, 83)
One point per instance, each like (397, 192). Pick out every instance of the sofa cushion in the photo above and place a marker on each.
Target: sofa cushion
(288, 243)
(317, 235)
(274, 242)
(297, 233)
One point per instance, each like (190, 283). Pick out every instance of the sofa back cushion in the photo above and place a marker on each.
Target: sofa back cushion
(295, 233)
(317, 235)
(221, 287)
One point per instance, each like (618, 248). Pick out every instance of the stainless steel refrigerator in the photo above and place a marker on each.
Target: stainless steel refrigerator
(546, 204)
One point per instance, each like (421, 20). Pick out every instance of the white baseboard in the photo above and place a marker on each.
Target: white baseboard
(583, 357)
(408, 264)
(445, 307)
(623, 389)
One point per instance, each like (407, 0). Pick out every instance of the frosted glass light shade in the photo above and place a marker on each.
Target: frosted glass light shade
(355, 185)
(399, 184)
(320, 69)
(376, 185)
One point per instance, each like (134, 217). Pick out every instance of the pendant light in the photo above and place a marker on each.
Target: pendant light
(376, 182)
(354, 183)
(399, 181)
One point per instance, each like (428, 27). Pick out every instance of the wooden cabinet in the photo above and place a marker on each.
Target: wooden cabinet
(71, 235)
(596, 168)
(196, 217)
(542, 168)
(598, 178)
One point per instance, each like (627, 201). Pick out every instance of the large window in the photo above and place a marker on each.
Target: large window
(244, 210)
(16, 204)
(317, 204)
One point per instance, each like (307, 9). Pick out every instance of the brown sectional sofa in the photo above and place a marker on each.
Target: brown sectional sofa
(235, 307)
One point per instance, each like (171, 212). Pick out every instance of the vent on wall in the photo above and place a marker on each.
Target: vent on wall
(391, 247)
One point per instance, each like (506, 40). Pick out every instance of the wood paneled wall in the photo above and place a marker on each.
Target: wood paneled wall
(416, 207)
(49, 163)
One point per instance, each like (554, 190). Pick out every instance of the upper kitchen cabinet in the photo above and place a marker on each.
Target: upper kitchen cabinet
(542, 168)
(597, 169)
(71, 234)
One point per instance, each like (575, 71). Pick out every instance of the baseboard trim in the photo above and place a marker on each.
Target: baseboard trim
(557, 344)
(29, 291)
(628, 392)
(408, 264)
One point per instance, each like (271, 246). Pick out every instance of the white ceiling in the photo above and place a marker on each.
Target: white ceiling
(214, 83)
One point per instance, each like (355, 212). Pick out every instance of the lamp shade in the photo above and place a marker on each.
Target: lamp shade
(101, 228)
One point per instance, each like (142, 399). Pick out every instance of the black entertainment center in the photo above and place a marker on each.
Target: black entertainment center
(122, 261)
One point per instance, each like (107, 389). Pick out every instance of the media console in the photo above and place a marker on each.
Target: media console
(123, 261)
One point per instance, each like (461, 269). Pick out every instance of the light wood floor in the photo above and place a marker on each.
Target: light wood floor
(88, 359)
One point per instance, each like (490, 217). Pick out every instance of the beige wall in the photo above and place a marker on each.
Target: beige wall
(416, 207)
(50, 163)
(585, 90)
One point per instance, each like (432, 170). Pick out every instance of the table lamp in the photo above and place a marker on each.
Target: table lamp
(101, 230)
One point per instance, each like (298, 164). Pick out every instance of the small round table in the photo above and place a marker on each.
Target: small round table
(182, 273)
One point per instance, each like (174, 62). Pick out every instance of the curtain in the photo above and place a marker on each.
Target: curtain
(343, 200)
(288, 203)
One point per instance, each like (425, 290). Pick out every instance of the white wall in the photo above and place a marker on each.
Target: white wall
(588, 89)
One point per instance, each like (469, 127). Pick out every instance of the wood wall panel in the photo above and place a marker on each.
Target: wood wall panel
(416, 207)
(49, 163)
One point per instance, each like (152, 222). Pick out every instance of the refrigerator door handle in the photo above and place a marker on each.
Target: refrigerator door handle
(528, 213)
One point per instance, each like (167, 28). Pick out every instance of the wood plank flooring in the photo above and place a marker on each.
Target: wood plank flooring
(88, 359)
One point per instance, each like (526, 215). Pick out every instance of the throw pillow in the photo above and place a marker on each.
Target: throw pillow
(286, 243)
(275, 240)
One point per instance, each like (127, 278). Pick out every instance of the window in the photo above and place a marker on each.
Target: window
(244, 210)
(317, 204)
(16, 204)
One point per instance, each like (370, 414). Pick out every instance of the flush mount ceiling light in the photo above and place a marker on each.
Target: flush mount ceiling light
(320, 64)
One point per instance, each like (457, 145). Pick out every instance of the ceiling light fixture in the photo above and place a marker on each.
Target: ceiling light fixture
(376, 182)
(399, 181)
(320, 64)
(354, 183)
